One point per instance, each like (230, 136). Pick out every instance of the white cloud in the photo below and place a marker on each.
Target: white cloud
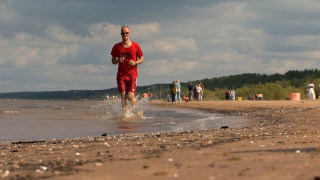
(165, 67)
(172, 46)
(60, 34)
(144, 31)
(103, 31)
(309, 41)
(29, 50)
(314, 56)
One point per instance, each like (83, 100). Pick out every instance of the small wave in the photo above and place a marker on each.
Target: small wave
(149, 117)
(10, 112)
(90, 107)
(209, 118)
(164, 123)
(56, 107)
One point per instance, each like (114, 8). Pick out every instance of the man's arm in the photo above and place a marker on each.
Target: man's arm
(140, 60)
(116, 60)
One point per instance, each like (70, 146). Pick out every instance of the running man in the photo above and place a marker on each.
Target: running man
(128, 55)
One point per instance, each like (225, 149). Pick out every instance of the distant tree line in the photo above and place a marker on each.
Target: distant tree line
(245, 84)
(237, 81)
(293, 79)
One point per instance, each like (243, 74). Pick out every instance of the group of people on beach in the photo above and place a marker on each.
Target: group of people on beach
(195, 92)
(230, 94)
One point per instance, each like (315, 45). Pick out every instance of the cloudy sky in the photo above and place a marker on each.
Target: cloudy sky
(50, 45)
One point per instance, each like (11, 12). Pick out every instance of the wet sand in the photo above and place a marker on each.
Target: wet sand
(280, 140)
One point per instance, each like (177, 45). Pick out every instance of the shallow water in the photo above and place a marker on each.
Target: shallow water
(41, 119)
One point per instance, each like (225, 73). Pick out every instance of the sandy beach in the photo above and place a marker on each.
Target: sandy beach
(279, 140)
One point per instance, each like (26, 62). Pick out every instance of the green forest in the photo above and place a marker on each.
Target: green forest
(273, 87)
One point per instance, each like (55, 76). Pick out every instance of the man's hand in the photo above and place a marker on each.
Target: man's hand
(116, 60)
(132, 63)
(121, 59)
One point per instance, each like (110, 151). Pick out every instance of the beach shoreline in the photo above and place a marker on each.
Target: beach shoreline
(280, 140)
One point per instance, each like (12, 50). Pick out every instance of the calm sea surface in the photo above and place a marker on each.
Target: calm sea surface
(42, 119)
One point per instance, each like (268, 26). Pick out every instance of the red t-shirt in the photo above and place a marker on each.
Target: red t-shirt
(130, 53)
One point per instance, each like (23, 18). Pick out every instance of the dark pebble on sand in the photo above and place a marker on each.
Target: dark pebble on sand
(163, 146)
(317, 178)
(104, 134)
(224, 127)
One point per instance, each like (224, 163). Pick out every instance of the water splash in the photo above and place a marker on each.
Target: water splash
(115, 111)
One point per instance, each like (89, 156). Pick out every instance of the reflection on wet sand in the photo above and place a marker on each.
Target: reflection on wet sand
(128, 121)
(127, 126)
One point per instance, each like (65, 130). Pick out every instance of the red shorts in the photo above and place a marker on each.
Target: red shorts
(126, 84)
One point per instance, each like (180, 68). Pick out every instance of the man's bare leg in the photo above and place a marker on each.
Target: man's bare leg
(124, 101)
(132, 98)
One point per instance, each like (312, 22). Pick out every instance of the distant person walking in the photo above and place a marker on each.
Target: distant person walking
(190, 87)
(233, 95)
(178, 91)
(127, 54)
(195, 95)
(199, 90)
(172, 89)
(310, 91)
(168, 98)
(202, 89)
(227, 94)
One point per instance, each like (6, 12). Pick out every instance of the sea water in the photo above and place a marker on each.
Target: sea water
(52, 119)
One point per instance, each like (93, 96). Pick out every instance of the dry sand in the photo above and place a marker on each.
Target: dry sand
(279, 141)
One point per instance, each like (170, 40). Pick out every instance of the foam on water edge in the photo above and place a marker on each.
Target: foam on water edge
(115, 111)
